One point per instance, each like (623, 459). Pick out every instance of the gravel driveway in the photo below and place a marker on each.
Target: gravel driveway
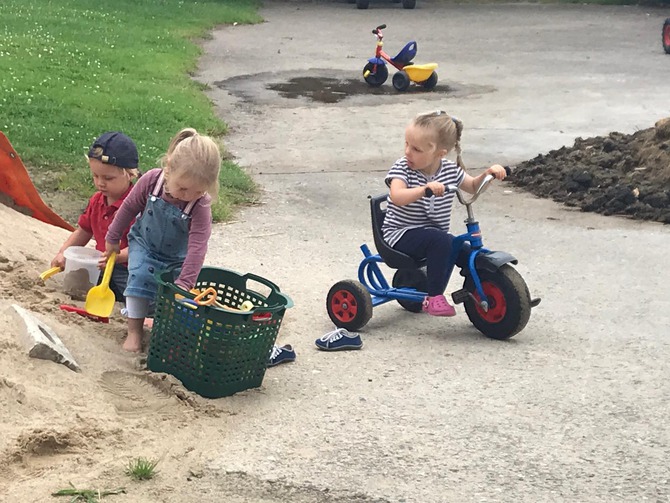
(571, 409)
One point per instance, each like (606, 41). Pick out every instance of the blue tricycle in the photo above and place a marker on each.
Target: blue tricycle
(496, 297)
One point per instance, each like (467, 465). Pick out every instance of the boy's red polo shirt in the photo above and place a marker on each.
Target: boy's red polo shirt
(97, 217)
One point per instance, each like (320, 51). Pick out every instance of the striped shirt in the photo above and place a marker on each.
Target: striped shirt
(431, 211)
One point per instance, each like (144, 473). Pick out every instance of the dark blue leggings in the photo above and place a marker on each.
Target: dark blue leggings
(435, 246)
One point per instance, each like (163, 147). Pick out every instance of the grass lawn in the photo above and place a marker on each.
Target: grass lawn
(72, 69)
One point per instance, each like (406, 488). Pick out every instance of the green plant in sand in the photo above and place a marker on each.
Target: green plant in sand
(141, 469)
(87, 495)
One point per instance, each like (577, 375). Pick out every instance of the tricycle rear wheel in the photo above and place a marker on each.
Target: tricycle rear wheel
(509, 303)
(349, 305)
(379, 76)
(411, 278)
(401, 80)
(430, 82)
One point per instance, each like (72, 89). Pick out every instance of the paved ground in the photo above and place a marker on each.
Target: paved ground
(574, 408)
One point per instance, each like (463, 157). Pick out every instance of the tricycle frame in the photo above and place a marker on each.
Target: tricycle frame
(372, 277)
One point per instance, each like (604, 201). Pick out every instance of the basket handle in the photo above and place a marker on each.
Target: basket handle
(263, 281)
(289, 302)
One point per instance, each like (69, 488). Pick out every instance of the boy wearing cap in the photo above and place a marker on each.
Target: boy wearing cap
(113, 161)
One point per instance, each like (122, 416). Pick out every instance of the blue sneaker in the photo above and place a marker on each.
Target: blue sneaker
(281, 354)
(339, 339)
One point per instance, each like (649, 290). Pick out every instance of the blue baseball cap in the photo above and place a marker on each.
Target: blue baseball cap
(117, 149)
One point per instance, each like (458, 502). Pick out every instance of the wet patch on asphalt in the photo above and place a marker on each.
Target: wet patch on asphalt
(329, 90)
(318, 86)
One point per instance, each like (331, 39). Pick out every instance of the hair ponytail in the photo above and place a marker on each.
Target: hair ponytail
(457, 146)
(179, 137)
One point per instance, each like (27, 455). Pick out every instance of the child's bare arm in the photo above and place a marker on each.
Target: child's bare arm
(79, 237)
(121, 257)
(470, 184)
(402, 195)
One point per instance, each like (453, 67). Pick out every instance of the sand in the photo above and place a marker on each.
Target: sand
(58, 426)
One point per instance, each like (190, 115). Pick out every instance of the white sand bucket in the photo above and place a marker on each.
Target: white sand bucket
(81, 270)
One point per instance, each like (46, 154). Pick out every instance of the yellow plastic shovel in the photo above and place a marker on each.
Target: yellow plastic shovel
(100, 299)
(50, 272)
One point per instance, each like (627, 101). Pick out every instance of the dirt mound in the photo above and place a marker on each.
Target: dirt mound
(617, 174)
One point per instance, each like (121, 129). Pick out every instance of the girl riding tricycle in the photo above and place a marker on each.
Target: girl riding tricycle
(412, 236)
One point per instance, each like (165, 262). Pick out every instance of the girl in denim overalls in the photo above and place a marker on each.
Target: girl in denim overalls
(174, 226)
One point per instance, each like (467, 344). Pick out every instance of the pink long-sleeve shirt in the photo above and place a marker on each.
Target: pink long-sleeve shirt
(199, 231)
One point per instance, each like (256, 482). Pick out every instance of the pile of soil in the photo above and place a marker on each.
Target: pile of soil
(617, 174)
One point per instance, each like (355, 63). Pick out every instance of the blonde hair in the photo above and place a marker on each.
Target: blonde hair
(196, 157)
(446, 131)
(132, 173)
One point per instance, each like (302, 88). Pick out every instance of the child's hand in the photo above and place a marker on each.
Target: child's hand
(436, 187)
(102, 262)
(498, 171)
(109, 249)
(58, 261)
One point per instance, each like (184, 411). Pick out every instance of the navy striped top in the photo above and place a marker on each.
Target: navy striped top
(426, 212)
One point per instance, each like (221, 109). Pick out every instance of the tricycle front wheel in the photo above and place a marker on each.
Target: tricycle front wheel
(375, 76)
(509, 303)
(349, 305)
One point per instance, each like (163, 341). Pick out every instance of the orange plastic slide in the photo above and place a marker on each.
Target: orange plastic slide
(15, 184)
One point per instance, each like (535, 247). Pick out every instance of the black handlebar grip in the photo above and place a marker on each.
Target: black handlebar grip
(428, 192)
(508, 170)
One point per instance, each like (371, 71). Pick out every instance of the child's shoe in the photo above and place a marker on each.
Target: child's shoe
(339, 339)
(438, 306)
(281, 354)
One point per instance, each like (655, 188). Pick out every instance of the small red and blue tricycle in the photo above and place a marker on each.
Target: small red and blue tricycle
(375, 71)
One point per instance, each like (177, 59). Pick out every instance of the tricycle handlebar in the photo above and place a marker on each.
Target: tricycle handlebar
(459, 193)
(378, 28)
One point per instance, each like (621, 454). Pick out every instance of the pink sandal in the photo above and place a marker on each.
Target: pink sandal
(438, 306)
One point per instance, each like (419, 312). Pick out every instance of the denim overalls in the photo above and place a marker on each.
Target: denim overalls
(157, 241)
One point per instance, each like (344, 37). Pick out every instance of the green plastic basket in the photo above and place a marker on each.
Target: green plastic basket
(214, 351)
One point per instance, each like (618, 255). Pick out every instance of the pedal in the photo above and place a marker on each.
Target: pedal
(460, 296)
(534, 302)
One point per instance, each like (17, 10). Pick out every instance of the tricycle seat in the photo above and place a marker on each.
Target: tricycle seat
(392, 257)
(406, 55)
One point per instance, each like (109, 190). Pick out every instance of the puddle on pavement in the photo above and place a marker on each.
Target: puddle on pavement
(329, 90)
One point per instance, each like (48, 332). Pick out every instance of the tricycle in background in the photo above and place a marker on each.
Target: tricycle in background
(375, 71)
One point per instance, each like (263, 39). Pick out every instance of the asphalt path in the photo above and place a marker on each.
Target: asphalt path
(575, 407)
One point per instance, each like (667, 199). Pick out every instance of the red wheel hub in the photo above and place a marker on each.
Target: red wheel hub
(343, 305)
(497, 303)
